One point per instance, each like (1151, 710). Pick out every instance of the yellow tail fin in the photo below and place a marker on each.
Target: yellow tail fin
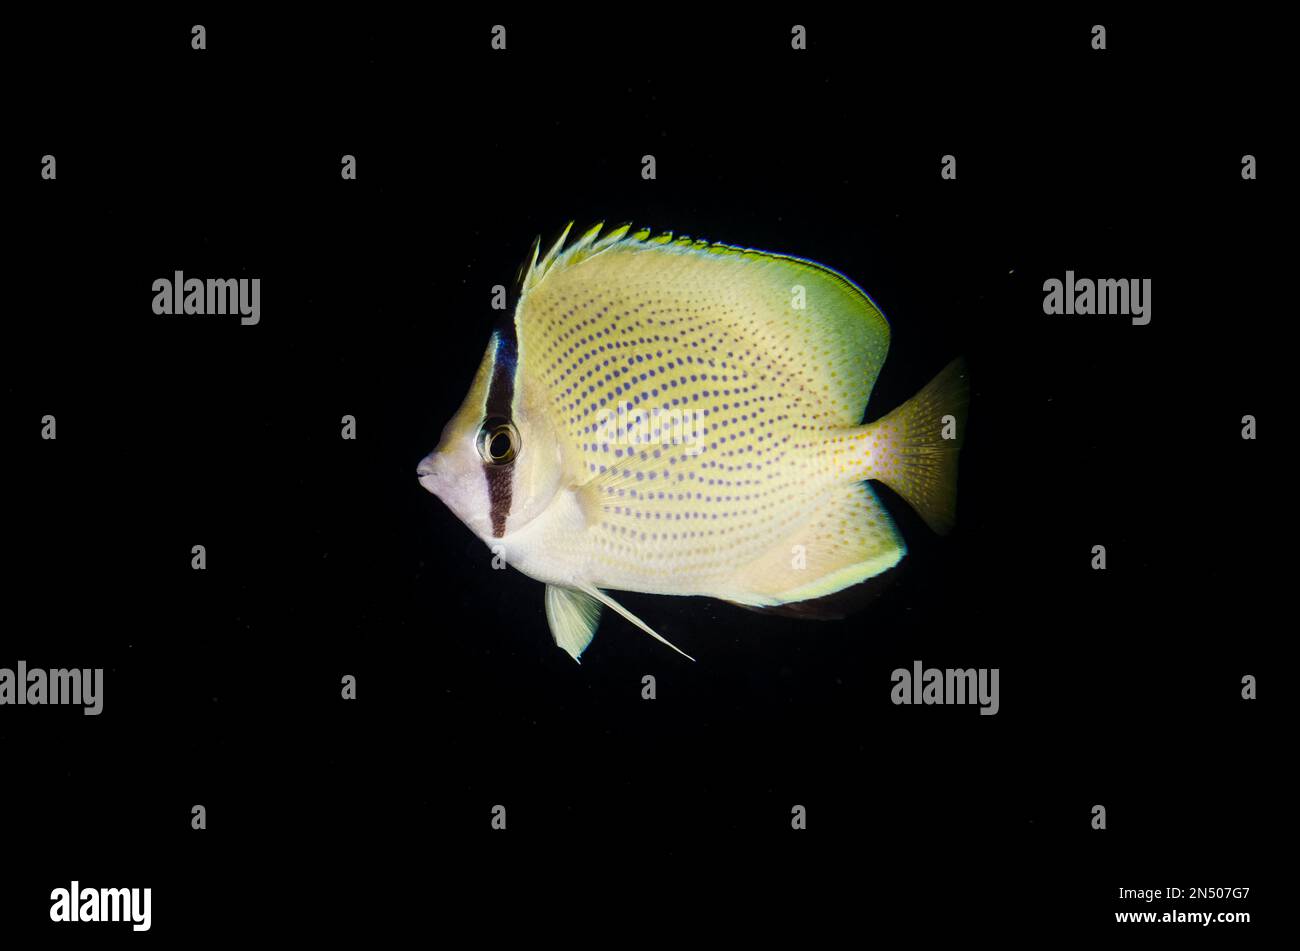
(914, 449)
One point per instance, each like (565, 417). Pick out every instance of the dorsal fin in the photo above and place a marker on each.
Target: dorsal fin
(811, 324)
(808, 314)
(529, 262)
(533, 270)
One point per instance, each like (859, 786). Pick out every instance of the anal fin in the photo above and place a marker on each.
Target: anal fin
(837, 605)
(852, 538)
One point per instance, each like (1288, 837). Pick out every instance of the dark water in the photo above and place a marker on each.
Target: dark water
(326, 558)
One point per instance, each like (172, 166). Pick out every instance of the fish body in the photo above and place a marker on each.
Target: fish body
(676, 417)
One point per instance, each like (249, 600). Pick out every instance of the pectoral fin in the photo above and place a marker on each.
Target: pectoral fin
(573, 617)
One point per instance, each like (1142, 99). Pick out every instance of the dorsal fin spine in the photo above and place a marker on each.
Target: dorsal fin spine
(592, 243)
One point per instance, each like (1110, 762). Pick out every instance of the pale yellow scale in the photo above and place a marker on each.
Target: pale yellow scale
(675, 417)
(708, 405)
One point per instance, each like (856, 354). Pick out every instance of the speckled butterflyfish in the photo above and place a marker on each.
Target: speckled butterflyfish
(678, 417)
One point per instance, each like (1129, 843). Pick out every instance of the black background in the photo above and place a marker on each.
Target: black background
(630, 818)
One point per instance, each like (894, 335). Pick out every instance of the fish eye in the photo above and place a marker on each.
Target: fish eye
(498, 442)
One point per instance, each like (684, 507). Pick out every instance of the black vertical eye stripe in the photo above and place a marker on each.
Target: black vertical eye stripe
(500, 402)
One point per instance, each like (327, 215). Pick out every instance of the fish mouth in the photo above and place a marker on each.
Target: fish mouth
(427, 474)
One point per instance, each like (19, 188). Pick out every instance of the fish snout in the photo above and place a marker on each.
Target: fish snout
(429, 474)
